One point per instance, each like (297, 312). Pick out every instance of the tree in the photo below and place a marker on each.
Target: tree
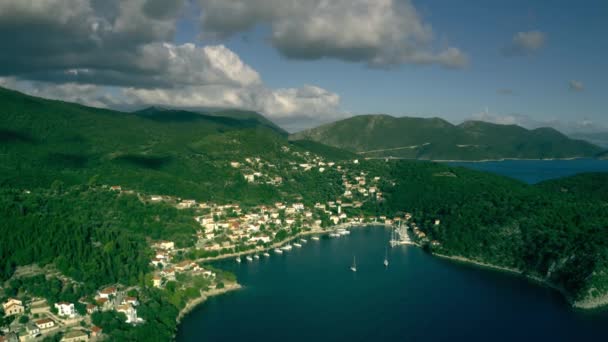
(24, 319)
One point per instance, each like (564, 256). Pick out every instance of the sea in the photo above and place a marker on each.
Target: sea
(310, 293)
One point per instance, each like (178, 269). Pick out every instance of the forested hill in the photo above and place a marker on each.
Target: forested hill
(155, 150)
(379, 136)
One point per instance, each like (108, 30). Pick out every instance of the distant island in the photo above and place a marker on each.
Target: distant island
(384, 136)
(111, 218)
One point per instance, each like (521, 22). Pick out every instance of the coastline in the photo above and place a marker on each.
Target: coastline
(314, 231)
(485, 160)
(587, 304)
(193, 303)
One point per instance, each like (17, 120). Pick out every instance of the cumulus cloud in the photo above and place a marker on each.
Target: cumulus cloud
(525, 43)
(526, 121)
(87, 94)
(379, 33)
(113, 53)
(279, 104)
(576, 85)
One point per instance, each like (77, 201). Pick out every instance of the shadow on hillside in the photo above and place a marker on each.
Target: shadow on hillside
(10, 136)
(67, 160)
(146, 162)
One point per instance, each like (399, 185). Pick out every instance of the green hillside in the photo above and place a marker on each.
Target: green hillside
(63, 152)
(154, 150)
(380, 136)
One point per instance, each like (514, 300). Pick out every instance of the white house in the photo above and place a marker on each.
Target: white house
(45, 323)
(65, 309)
(107, 292)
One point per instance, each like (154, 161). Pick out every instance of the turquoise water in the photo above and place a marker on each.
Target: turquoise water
(534, 171)
(310, 294)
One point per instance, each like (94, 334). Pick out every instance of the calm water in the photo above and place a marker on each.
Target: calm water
(534, 171)
(310, 294)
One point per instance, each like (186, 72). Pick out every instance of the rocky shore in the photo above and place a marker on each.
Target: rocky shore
(193, 303)
(589, 303)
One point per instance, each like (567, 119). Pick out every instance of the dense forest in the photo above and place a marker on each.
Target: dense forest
(93, 235)
(556, 230)
(56, 160)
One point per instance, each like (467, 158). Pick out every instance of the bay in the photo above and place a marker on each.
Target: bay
(310, 294)
(534, 171)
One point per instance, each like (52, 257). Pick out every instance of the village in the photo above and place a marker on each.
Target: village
(226, 230)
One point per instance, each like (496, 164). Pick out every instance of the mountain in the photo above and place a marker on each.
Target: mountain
(380, 136)
(243, 117)
(155, 150)
(602, 155)
(600, 138)
(56, 157)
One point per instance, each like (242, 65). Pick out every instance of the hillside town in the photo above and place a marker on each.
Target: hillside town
(225, 230)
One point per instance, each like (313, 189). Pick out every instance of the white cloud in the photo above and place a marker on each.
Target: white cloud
(278, 104)
(568, 127)
(377, 32)
(524, 43)
(576, 85)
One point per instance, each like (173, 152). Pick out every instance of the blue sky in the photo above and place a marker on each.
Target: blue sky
(304, 62)
(576, 49)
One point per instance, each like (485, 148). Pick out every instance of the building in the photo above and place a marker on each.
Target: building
(157, 281)
(75, 336)
(45, 323)
(166, 245)
(92, 308)
(130, 312)
(131, 300)
(107, 292)
(65, 309)
(32, 330)
(13, 306)
(96, 331)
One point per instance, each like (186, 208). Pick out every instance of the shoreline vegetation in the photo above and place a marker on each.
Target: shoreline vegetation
(600, 303)
(483, 160)
(193, 303)
(592, 304)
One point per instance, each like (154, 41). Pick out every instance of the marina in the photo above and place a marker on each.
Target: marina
(316, 289)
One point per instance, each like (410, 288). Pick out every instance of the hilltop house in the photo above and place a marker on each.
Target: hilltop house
(166, 245)
(45, 323)
(65, 309)
(157, 281)
(107, 292)
(32, 330)
(13, 306)
(130, 312)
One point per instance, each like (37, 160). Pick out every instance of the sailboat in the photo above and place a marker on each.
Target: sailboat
(386, 258)
(354, 266)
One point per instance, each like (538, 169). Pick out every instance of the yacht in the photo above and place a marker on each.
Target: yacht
(354, 266)
(297, 245)
(315, 238)
(286, 248)
(249, 258)
(334, 235)
(343, 232)
(278, 251)
(266, 254)
(238, 259)
(303, 241)
(386, 258)
(256, 256)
